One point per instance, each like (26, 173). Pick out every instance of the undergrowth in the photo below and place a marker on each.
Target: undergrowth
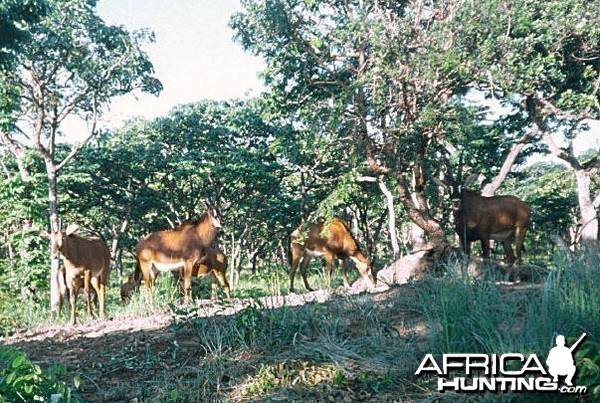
(468, 315)
(345, 348)
(367, 346)
(23, 381)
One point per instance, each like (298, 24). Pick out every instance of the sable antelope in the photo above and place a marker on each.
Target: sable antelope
(213, 265)
(336, 242)
(182, 247)
(133, 282)
(501, 218)
(83, 258)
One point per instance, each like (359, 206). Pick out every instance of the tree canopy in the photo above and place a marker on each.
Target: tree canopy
(366, 103)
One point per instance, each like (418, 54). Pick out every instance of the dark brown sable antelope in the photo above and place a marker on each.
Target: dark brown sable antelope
(501, 218)
(335, 243)
(182, 247)
(87, 258)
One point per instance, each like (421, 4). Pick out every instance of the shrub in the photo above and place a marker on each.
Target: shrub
(23, 381)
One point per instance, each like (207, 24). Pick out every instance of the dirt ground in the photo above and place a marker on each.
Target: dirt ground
(128, 359)
(117, 358)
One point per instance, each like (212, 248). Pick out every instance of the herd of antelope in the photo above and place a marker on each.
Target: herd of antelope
(187, 251)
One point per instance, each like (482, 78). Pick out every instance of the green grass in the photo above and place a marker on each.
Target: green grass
(351, 347)
(467, 315)
(21, 312)
(347, 344)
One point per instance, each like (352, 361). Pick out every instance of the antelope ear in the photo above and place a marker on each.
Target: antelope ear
(71, 228)
(43, 234)
(473, 178)
(439, 182)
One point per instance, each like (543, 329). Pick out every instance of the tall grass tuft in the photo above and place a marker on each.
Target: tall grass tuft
(468, 315)
(343, 338)
(473, 315)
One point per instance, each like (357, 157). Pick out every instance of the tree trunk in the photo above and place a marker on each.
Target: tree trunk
(283, 252)
(417, 237)
(391, 213)
(588, 213)
(389, 199)
(417, 234)
(438, 244)
(56, 281)
(491, 188)
(116, 242)
(232, 261)
(303, 215)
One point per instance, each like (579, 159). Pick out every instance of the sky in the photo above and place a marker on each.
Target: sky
(195, 58)
(194, 55)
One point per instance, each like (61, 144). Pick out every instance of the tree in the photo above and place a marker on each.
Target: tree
(545, 58)
(550, 191)
(17, 16)
(72, 65)
(153, 175)
(109, 189)
(223, 151)
(379, 77)
(387, 79)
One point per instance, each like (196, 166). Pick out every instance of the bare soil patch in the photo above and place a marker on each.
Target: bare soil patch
(124, 359)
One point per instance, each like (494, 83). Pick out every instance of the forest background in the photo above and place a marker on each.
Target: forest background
(364, 103)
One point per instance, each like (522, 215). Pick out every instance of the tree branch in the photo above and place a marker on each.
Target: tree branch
(492, 187)
(560, 152)
(91, 134)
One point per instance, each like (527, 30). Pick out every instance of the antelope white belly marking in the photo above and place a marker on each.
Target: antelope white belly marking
(165, 267)
(502, 236)
(313, 253)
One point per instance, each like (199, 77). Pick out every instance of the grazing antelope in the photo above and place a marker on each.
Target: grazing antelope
(182, 247)
(501, 218)
(336, 242)
(82, 258)
(215, 267)
(133, 282)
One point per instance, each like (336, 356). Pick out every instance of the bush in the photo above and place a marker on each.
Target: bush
(23, 381)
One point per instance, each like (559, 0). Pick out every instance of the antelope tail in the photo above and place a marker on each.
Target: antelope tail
(137, 272)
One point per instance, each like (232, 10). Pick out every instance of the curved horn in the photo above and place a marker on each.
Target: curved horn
(71, 229)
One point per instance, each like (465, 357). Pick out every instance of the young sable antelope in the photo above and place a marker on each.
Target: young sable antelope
(335, 243)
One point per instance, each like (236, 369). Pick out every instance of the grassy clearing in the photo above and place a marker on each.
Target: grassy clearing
(346, 348)
(367, 346)
(23, 313)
